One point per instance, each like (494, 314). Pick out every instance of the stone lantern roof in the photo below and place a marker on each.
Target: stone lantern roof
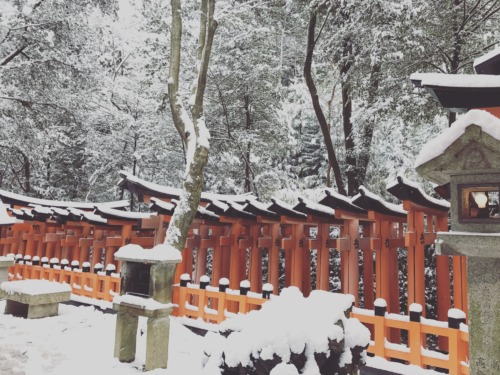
(469, 146)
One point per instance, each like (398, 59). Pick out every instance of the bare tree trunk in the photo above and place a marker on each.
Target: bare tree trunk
(332, 158)
(192, 129)
(367, 136)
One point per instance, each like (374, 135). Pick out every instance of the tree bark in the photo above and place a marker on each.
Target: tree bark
(332, 157)
(367, 136)
(192, 129)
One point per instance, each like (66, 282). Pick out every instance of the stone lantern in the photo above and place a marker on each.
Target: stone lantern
(146, 290)
(467, 157)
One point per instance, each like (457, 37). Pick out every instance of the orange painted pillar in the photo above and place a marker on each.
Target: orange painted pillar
(297, 256)
(350, 262)
(255, 266)
(368, 287)
(273, 269)
(416, 261)
(226, 253)
(97, 246)
(216, 256)
(40, 244)
(50, 245)
(323, 258)
(30, 242)
(393, 303)
(382, 261)
(235, 262)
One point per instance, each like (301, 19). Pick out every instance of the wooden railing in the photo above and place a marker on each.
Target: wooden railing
(415, 353)
(97, 286)
(213, 304)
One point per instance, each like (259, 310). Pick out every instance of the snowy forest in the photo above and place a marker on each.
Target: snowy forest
(300, 93)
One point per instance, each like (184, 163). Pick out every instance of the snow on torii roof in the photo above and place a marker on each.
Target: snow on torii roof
(142, 187)
(461, 92)
(372, 202)
(8, 197)
(488, 63)
(5, 218)
(405, 189)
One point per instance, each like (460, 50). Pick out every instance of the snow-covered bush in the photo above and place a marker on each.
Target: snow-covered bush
(311, 334)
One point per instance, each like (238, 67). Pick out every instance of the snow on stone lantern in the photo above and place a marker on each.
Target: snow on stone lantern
(146, 290)
(467, 156)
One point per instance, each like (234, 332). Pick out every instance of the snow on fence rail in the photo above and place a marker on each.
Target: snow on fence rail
(455, 331)
(215, 304)
(98, 286)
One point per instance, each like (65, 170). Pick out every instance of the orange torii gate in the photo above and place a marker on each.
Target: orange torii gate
(386, 236)
(426, 216)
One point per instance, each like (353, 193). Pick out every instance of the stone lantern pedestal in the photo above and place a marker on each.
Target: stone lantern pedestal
(483, 283)
(465, 159)
(146, 290)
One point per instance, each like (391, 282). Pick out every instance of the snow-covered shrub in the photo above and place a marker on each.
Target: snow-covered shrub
(311, 334)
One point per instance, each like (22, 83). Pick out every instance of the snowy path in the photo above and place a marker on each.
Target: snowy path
(80, 342)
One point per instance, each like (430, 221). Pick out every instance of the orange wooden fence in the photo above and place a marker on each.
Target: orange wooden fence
(97, 286)
(212, 305)
(415, 353)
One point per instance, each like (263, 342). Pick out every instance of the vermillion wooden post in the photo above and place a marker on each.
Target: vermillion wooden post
(297, 256)
(57, 244)
(287, 243)
(274, 257)
(393, 273)
(416, 262)
(85, 244)
(50, 245)
(255, 272)
(234, 270)
(442, 281)
(323, 258)
(306, 264)
(30, 242)
(382, 261)
(226, 253)
(216, 256)
(368, 288)
(97, 246)
(349, 259)
(40, 248)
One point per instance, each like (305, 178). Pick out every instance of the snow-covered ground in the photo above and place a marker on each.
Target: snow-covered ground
(80, 341)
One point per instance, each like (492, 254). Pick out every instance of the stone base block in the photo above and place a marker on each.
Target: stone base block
(24, 310)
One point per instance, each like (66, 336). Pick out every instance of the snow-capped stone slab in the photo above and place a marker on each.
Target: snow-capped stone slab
(34, 298)
(158, 254)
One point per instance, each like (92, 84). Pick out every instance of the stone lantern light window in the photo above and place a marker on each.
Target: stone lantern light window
(479, 203)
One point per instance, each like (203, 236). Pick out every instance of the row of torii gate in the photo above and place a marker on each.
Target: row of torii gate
(237, 228)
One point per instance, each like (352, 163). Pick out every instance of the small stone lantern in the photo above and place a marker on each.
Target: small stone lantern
(467, 156)
(146, 290)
